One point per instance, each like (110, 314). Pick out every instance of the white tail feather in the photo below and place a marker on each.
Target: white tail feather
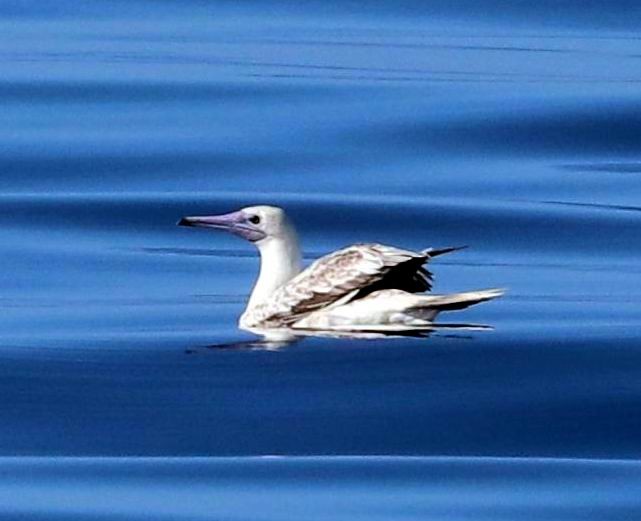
(458, 300)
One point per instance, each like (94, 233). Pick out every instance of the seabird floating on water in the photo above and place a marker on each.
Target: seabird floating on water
(364, 287)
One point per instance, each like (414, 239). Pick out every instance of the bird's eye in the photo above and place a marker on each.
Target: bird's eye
(254, 219)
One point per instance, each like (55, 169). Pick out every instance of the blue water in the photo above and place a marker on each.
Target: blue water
(511, 127)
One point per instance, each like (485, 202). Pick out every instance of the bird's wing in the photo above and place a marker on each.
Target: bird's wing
(342, 276)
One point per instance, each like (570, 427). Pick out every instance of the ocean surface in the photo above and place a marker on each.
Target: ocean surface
(128, 391)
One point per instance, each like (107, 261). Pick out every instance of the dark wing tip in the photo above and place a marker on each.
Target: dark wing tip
(435, 252)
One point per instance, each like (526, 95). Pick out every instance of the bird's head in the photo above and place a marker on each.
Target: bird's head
(254, 223)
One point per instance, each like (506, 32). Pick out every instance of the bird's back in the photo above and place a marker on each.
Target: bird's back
(340, 277)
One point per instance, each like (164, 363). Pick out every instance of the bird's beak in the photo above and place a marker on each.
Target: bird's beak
(235, 222)
(219, 222)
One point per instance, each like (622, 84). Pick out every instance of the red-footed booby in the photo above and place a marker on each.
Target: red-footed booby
(364, 287)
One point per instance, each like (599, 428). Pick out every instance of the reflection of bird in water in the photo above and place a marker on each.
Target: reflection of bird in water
(276, 339)
(362, 289)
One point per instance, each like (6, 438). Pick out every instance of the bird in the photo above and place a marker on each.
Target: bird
(363, 287)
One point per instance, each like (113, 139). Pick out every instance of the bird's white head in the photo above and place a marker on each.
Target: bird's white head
(270, 230)
(257, 224)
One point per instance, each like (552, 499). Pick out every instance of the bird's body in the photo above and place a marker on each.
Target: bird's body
(364, 287)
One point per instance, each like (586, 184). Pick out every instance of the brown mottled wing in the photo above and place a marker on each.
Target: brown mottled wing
(345, 274)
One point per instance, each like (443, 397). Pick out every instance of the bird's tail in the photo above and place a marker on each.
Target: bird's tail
(435, 252)
(455, 301)
(428, 306)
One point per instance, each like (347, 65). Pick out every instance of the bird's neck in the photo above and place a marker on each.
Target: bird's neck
(280, 261)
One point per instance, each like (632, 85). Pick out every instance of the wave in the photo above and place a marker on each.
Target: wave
(318, 488)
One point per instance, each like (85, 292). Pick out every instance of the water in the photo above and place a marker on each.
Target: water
(318, 488)
(510, 127)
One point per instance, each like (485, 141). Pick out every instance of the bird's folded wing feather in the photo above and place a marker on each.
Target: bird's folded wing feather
(342, 275)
